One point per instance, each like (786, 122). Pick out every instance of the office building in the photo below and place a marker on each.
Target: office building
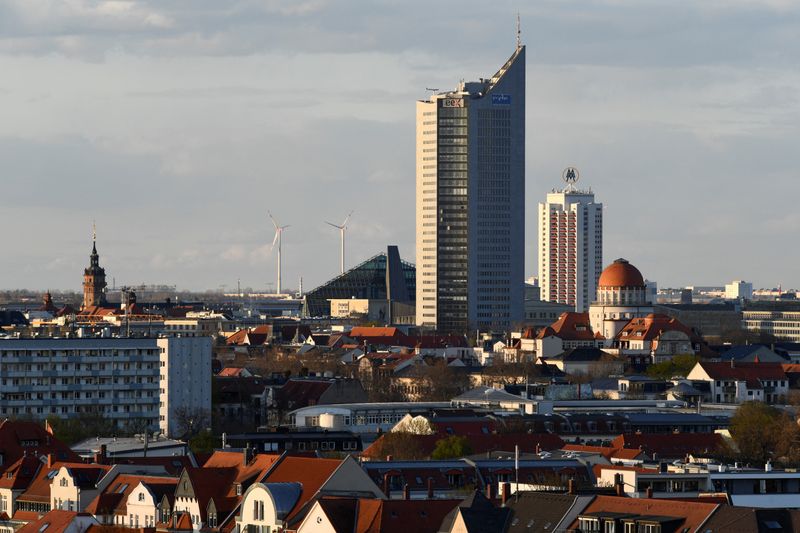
(153, 383)
(471, 203)
(738, 290)
(570, 245)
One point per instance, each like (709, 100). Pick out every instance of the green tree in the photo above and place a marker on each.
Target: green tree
(680, 365)
(204, 442)
(454, 446)
(763, 433)
(399, 444)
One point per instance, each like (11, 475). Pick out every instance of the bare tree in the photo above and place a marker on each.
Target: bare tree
(191, 420)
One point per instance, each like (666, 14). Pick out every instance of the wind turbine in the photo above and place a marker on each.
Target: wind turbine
(341, 229)
(278, 238)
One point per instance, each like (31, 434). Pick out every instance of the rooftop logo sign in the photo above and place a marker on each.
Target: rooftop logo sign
(570, 175)
(501, 99)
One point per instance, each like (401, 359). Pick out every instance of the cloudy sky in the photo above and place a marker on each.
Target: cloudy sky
(177, 125)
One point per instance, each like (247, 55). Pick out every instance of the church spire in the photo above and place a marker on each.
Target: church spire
(94, 238)
(94, 277)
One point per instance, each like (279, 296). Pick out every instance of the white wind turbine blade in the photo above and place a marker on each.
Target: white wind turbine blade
(332, 224)
(275, 240)
(274, 222)
(344, 224)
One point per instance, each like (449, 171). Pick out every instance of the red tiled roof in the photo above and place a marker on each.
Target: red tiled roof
(693, 514)
(311, 473)
(546, 332)
(56, 520)
(441, 341)
(397, 516)
(374, 331)
(605, 451)
(230, 372)
(572, 326)
(20, 474)
(96, 311)
(670, 445)
(181, 521)
(212, 483)
(114, 499)
(13, 433)
(369, 513)
(39, 489)
(743, 371)
(303, 392)
(653, 326)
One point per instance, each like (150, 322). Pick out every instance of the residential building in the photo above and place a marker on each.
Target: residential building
(621, 514)
(742, 382)
(476, 513)
(365, 515)
(655, 338)
(570, 245)
(21, 438)
(587, 362)
(60, 522)
(287, 492)
(571, 330)
(470, 208)
(155, 381)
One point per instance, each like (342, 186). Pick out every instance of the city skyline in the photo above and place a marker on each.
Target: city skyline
(177, 137)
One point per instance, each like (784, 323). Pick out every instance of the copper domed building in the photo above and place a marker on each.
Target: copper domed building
(621, 296)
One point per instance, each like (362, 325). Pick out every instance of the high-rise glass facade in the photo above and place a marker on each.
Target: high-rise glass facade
(470, 203)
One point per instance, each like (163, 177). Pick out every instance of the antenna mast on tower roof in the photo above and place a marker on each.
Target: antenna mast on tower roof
(519, 33)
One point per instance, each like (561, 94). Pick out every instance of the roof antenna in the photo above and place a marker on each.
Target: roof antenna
(94, 231)
(519, 33)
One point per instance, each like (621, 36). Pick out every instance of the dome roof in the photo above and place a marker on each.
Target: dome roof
(620, 273)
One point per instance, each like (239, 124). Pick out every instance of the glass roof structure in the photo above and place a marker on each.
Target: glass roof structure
(370, 280)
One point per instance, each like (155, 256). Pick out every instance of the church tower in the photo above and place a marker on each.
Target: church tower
(94, 279)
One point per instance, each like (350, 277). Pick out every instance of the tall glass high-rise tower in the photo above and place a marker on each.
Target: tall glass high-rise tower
(471, 203)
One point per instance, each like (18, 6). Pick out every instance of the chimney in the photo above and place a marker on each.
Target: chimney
(619, 488)
(388, 457)
(571, 487)
(489, 491)
(538, 448)
(386, 489)
(430, 488)
(246, 455)
(733, 363)
(406, 492)
(506, 493)
(49, 460)
(649, 492)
